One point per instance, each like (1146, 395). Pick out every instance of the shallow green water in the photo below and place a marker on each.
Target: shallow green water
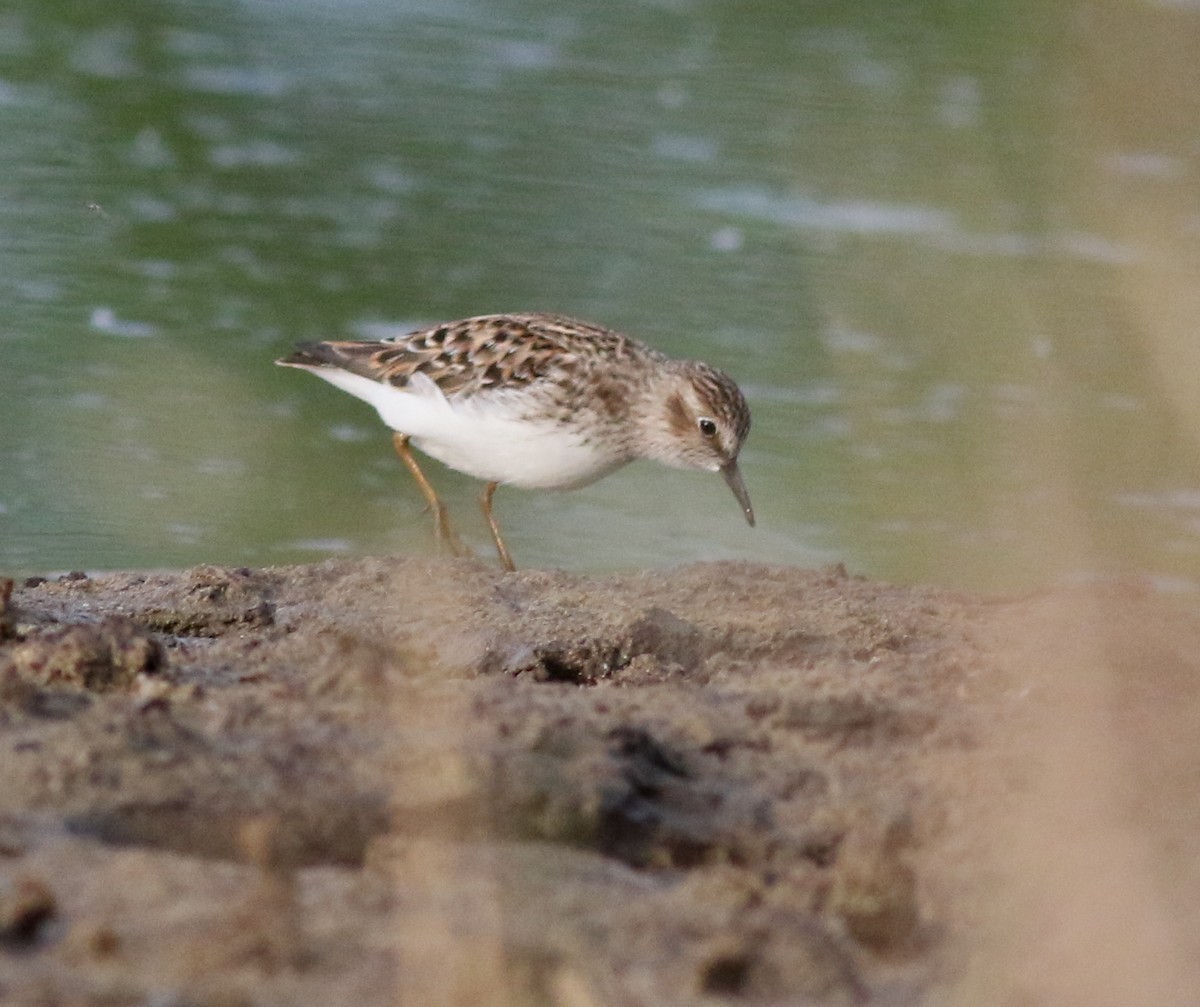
(951, 253)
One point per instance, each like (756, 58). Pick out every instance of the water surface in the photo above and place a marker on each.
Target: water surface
(951, 255)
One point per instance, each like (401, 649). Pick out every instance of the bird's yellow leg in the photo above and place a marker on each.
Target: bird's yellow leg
(486, 502)
(441, 518)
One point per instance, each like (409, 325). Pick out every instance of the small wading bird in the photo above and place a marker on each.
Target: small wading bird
(537, 401)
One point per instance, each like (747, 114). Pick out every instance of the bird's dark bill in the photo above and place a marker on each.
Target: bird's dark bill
(733, 477)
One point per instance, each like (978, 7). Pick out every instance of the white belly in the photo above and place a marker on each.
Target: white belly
(482, 437)
(518, 454)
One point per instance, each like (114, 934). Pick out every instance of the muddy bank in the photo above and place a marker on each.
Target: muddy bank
(402, 781)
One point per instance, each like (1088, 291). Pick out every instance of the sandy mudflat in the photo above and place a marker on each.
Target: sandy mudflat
(427, 782)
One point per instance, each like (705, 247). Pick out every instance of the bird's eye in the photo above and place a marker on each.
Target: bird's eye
(708, 428)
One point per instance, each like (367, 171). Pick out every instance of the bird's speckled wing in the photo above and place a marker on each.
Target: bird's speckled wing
(476, 354)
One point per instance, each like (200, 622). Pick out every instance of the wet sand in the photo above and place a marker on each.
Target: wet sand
(424, 782)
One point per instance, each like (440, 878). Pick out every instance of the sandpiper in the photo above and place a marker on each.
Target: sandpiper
(538, 401)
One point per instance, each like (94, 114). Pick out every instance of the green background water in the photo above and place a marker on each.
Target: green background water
(950, 251)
